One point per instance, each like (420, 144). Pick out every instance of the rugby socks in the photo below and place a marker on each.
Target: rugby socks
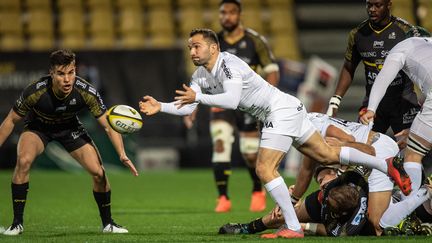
(19, 198)
(396, 212)
(352, 156)
(414, 170)
(103, 200)
(257, 187)
(256, 226)
(221, 172)
(280, 194)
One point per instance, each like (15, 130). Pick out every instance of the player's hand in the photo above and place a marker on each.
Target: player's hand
(184, 97)
(367, 117)
(333, 107)
(402, 138)
(126, 161)
(332, 111)
(149, 105)
(276, 213)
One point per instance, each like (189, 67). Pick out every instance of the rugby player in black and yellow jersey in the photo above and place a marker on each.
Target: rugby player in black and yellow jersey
(252, 48)
(49, 108)
(370, 43)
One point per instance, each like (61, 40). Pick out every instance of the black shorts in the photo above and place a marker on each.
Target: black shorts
(71, 138)
(313, 206)
(397, 114)
(423, 215)
(243, 121)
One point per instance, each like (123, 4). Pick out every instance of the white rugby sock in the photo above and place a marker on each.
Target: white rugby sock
(278, 190)
(414, 170)
(352, 156)
(396, 212)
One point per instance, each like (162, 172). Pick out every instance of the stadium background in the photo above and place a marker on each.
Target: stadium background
(129, 48)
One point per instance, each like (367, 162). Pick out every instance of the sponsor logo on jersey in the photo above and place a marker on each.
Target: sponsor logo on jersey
(300, 107)
(81, 84)
(368, 54)
(92, 90)
(392, 36)
(268, 124)
(378, 44)
(40, 84)
(60, 108)
(72, 102)
(226, 70)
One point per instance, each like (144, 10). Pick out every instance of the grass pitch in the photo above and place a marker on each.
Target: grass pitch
(155, 207)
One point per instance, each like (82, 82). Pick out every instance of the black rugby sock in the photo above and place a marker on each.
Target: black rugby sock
(103, 200)
(256, 226)
(19, 198)
(257, 186)
(221, 172)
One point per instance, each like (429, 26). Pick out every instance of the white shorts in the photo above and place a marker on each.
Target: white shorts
(385, 148)
(422, 124)
(283, 142)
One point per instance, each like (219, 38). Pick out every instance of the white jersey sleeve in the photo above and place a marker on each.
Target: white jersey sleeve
(171, 107)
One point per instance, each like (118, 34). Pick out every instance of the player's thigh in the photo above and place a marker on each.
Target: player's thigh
(317, 149)
(420, 137)
(30, 145)
(378, 203)
(88, 157)
(269, 158)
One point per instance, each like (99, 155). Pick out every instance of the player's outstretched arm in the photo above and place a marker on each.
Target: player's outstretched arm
(8, 125)
(117, 141)
(149, 105)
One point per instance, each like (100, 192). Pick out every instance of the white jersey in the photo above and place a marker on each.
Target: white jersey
(232, 84)
(414, 57)
(321, 122)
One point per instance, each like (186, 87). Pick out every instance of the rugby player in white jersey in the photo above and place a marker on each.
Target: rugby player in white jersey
(223, 80)
(413, 57)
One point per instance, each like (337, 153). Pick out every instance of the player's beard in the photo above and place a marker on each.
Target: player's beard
(230, 27)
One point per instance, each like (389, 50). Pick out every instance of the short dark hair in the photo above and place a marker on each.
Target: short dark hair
(345, 198)
(61, 58)
(208, 34)
(236, 2)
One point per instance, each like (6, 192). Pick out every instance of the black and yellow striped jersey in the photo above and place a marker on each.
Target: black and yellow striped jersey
(40, 106)
(252, 48)
(371, 46)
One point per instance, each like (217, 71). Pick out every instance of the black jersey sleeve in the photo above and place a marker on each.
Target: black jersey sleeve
(29, 96)
(92, 98)
(263, 50)
(351, 54)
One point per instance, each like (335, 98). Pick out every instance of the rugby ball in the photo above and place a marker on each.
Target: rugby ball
(124, 119)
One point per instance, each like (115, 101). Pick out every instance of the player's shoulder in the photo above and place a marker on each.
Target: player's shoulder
(363, 26)
(402, 24)
(37, 85)
(255, 36)
(83, 85)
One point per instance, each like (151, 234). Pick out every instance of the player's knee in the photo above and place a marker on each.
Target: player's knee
(222, 137)
(249, 148)
(265, 173)
(24, 163)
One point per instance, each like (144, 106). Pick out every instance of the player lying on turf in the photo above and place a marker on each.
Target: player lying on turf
(338, 208)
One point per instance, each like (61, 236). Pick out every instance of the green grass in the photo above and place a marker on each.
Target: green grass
(155, 207)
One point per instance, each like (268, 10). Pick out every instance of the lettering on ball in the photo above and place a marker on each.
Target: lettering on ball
(124, 126)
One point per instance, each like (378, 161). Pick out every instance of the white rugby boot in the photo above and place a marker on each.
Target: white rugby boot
(14, 229)
(114, 228)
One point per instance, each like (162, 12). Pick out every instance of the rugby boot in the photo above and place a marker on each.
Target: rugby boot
(114, 228)
(223, 205)
(396, 171)
(283, 232)
(234, 229)
(258, 201)
(14, 229)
